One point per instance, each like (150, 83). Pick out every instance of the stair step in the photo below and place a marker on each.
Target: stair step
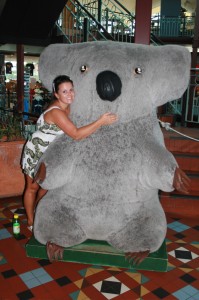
(182, 205)
(194, 187)
(178, 143)
(187, 161)
(186, 153)
(182, 145)
(192, 193)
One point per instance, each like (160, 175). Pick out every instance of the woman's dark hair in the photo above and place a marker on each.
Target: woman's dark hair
(58, 80)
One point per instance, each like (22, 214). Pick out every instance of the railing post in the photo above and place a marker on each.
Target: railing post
(85, 30)
(99, 11)
(20, 77)
(184, 26)
(106, 19)
(184, 104)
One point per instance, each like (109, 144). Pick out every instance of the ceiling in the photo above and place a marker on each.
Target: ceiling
(28, 22)
(189, 5)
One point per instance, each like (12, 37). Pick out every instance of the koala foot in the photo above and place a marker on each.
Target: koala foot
(54, 252)
(181, 181)
(135, 258)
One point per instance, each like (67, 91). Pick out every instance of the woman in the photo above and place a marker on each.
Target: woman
(54, 121)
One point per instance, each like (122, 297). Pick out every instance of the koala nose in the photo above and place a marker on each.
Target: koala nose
(108, 85)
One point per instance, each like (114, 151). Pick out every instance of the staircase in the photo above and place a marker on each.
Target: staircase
(95, 20)
(114, 16)
(186, 152)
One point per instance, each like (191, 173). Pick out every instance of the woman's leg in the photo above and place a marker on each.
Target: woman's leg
(40, 194)
(29, 198)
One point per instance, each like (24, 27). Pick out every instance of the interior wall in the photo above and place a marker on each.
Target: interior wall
(190, 5)
(130, 5)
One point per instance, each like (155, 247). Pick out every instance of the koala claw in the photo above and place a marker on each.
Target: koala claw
(54, 252)
(135, 258)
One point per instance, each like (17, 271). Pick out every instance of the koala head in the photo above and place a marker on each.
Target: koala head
(128, 79)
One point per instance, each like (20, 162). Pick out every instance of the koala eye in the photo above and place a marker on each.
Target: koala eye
(138, 70)
(83, 68)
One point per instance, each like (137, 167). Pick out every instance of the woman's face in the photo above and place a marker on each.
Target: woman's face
(65, 93)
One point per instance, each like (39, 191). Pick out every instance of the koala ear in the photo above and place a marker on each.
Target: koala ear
(171, 76)
(53, 61)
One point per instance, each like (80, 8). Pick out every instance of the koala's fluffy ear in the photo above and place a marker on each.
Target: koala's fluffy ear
(54, 61)
(171, 75)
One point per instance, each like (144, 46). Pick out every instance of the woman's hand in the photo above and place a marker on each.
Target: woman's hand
(108, 118)
(181, 182)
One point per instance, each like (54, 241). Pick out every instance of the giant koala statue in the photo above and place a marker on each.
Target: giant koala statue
(105, 187)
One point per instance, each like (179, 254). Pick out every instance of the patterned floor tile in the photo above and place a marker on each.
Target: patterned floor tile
(183, 254)
(63, 280)
(160, 293)
(187, 293)
(35, 277)
(25, 295)
(78, 295)
(4, 234)
(111, 287)
(130, 279)
(20, 211)
(177, 226)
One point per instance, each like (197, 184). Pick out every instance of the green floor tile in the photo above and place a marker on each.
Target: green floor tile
(101, 253)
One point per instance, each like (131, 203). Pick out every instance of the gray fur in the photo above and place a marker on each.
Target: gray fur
(106, 186)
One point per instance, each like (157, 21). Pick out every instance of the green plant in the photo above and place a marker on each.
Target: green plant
(10, 127)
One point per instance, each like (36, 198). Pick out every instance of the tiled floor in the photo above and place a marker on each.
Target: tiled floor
(26, 278)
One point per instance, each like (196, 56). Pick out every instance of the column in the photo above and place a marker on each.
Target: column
(143, 21)
(20, 77)
(170, 17)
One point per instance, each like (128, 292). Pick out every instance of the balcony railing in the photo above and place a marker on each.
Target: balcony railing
(172, 27)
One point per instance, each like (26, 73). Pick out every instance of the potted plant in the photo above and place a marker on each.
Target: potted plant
(10, 128)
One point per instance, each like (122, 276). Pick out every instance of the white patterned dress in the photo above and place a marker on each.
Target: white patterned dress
(38, 143)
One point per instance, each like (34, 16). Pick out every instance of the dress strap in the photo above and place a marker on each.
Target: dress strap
(51, 109)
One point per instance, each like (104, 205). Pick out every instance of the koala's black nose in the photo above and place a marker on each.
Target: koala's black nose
(108, 85)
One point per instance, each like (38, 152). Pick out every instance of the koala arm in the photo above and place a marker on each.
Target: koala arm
(158, 167)
(55, 167)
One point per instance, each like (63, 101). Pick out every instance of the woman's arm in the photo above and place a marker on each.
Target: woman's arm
(59, 118)
(68, 110)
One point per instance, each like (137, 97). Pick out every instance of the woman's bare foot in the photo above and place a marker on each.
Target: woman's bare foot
(30, 228)
(54, 251)
(30, 224)
(135, 258)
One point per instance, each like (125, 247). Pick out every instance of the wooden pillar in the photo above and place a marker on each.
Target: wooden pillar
(143, 21)
(20, 77)
(68, 20)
